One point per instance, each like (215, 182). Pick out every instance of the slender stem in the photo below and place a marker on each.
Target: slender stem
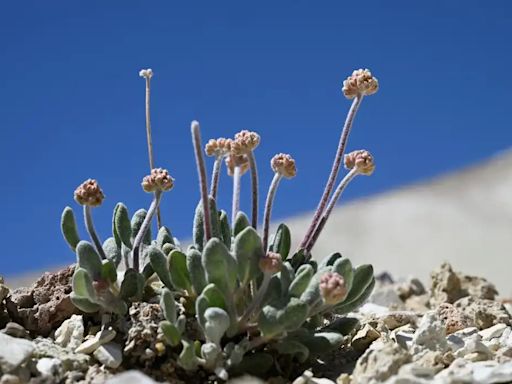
(201, 170)
(150, 140)
(256, 301)
(235, 207)
(144, 228)
(334, 171)
(214, 186)
(257, 341)
(268, 208)
(254, 186)
(92, 232)
(332, 203)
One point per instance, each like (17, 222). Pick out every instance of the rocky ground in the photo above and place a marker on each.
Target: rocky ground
(454, 331)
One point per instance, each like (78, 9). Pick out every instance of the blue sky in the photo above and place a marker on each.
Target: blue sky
(72, 104)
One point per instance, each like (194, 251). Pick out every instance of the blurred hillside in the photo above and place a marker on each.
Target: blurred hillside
(463, 217)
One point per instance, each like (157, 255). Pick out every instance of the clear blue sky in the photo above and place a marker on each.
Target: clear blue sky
(72, 104)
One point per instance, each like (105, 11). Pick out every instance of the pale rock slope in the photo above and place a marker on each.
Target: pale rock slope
(464, 217)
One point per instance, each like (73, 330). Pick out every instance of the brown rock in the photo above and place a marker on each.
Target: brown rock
(44, 306)
(446, 286)
(453, 318)
(483, 313)
(477, 287)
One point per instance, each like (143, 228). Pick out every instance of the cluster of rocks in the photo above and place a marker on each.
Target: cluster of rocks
(454, 332)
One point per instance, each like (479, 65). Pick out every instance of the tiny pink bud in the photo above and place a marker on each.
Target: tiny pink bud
(284, 165)
(158, 180)
(271, 263)
(361, 82)
(245, 142)
(332, 288)
(233, 161)
(362, 160)
(89, 193)
(218, 147)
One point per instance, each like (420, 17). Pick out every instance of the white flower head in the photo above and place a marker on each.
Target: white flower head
(146, 73)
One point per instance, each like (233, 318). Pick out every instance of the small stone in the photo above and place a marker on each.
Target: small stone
(70, 361)
(487, 372)
(110, 355)
(49, 367)
(431, 334)
(13, 352)
(403, 336)
(386, 297)
(445, 286)
(364, 337)
(10, 379)
(397, 319)
(477, 287)
(102, 337)
(474, 349)
(16, 330)
(71, 333)
(493, 332)
(131, 377)
(455, 342)
(344, 378)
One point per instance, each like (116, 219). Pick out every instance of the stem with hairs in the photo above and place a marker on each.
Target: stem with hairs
(256, 301)
(268, 208)
(89, 225)
(203, 183)
(334, 171)
(214, 186)
(235, 207)
(144, 228)
(332, 203)
(150, 140)
(254, 186)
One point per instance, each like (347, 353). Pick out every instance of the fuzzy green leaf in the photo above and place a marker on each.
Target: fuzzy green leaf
(198, 228)
(89, 259)
(180, 277)
(273, 320)
(302, 279)
(130, 285)
(68, 228)
(248, 251)
(286, 276)
(282, 241)
(220, 266)
(241, 222)
(112, 251)
(225, 229)
(171, 333)
(294, 348)
(346, 306)
(160, 266)
(164, 236)
(344, 268)
(196, 270)
(330, 260)
(216, 324)
(136, 223)
(82, 285)
(108, 271)
(363, 276)
(188, 359)
(168, 305)
(84, 304)
(122, 225)
(321, 342)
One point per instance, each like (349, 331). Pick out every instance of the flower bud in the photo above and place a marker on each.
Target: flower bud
(271, 263)
(362, 160)
(245, 142)
(158, 180)
(361, 82)
(233, 161)
(218, 147)
(89, 193)
(284, 165)
(146, 73)
(332, 288)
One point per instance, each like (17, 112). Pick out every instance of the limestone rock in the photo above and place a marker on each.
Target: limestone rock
(15, 330)
(431, 334)
(453, 318)
(493, 332)
(71, 332)
(45, 305)
(445, 286)
(379, 363)
(364, 337)
(102, 337)
(131, 377)
(70, 361)
(397, 319)
(13, 352)
(483, 313)
(110, 355)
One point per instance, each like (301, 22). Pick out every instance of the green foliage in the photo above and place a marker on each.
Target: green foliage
(68, 227)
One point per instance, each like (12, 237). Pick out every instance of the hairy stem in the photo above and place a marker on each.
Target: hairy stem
(254, 186)
(235, 207)
(256, 301)
(203, 183)
(144, 228)
(214, 187)
(268, 208)
(334, 171)
(150, 140)
(332, 203)
(89, 225)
